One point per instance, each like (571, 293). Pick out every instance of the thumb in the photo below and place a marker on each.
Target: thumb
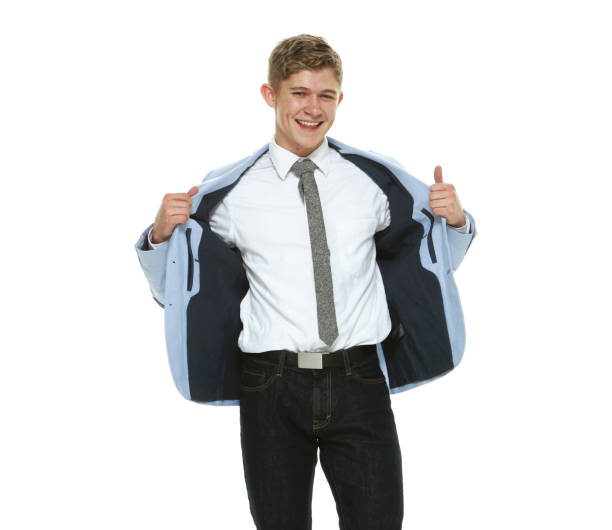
(438, 174)
(193, 191)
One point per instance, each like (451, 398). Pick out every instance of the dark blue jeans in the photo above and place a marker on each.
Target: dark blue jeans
(287, 414)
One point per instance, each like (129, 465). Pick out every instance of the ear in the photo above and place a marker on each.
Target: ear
(268, 94)
(340, 98)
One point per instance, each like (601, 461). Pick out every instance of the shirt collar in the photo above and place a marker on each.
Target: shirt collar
(283, 160)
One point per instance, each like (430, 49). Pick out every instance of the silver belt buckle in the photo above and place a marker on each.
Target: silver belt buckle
(310, 359)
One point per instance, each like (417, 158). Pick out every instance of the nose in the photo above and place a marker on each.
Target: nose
(313, 105)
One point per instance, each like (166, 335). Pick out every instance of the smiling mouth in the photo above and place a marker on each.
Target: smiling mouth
(308, 125)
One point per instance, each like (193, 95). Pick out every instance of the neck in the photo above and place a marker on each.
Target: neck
(298, 151)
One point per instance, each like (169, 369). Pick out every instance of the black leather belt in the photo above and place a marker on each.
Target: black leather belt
(315, 359)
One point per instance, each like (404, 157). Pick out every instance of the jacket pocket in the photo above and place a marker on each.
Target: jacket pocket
(189, 260)
(430, 244)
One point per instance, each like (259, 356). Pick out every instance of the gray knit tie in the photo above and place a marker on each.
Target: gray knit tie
(324, 290)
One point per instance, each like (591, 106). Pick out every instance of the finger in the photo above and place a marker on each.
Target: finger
(172, 196)
(441, 211)
(176, 199)
(438, 174)
(178, 219)
(440, 202)
(183, 201)
(177, 210)
(193, 191)
(438, 195)
(442, 186)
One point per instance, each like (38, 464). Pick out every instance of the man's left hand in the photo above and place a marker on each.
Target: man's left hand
(444, 201)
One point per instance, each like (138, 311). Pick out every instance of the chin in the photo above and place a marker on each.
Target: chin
(310, 139)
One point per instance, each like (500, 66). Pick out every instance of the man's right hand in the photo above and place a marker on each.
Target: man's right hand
(174, 210)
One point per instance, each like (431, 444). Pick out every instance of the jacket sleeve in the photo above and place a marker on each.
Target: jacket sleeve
(459, 243)
(153, 263)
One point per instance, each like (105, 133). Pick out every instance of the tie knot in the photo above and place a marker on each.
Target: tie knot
(303, 166)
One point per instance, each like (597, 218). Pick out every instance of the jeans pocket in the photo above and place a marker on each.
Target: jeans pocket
(367, 372)
(254, 377)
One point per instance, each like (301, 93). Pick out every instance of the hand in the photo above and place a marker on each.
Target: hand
(444, 201)
(174, 210)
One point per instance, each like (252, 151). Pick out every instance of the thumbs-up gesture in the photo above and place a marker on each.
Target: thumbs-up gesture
(444, 201)
(174, 210)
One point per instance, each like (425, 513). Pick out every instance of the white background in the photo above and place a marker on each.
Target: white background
(106, 106)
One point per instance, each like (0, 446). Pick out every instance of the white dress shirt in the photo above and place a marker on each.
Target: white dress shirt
(265, 218)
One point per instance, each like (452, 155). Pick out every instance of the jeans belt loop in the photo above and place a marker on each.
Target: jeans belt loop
(310, 359)
(347, 362)
(281, 363)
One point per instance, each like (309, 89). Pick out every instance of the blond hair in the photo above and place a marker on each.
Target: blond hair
(302, 52)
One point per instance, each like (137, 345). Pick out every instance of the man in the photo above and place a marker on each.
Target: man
(305, 282)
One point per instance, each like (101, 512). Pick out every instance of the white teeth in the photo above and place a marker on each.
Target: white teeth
(308, 123)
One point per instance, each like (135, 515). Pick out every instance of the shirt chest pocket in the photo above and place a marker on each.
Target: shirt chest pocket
(354, 243)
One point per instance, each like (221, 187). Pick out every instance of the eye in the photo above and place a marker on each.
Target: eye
(298, 93)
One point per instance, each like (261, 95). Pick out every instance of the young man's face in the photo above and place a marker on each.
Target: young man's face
(305, 107)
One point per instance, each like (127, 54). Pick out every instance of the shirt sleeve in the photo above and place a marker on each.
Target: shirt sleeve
(152, 245)
(221, 223)
(383, 213)
(465, 229)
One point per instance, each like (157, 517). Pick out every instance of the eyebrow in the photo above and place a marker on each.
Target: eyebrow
(331, 91)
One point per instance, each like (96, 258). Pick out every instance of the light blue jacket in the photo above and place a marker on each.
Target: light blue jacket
(200, 281)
